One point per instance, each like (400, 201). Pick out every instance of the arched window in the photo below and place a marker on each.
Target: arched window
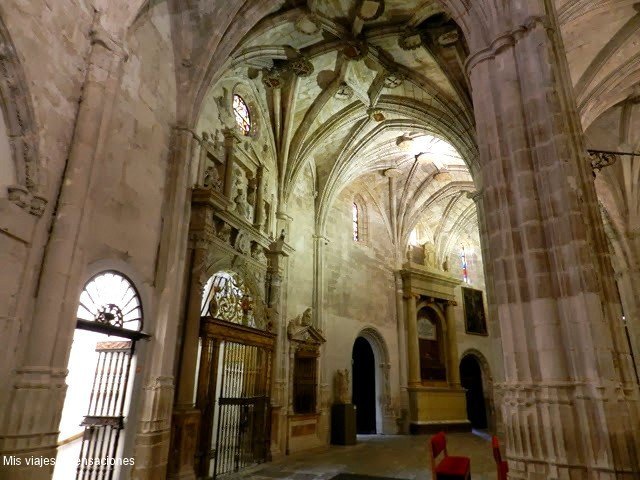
(241, 112)
(359, 220)
(110, 298)
(356, 219)
(101, 367)
(465, 272)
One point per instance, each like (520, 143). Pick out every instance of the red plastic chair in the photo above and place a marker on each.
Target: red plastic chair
(450, 467)
(501, 465)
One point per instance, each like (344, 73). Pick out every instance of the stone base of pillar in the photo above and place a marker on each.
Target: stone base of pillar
(21, 465)
(29, 423)
(151, 449)
(184, 436)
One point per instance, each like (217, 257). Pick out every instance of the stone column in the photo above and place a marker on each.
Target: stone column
(29, 424)
(319, 242)
(186, 418)
(569, 398)
(452, 350)
(230, 141)
(402, 354)
(154, 428)
(413, 346)
(629, 286)
(259, 206)
(276, 274)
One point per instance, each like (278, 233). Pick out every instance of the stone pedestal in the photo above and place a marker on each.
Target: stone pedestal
(184, 435)
(343, 424)
(438, 409)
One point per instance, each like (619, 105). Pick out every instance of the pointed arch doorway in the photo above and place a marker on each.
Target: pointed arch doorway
(364, 386)
(471, 379)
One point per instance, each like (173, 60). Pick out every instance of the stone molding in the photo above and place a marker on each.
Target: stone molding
(20, 120)
(504, 40)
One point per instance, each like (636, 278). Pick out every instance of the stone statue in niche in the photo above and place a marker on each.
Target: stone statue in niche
(242, 204)
(429, 255)
(304, 319)
(212, 178)
(341, 384)
(307, 317)
(445, 264)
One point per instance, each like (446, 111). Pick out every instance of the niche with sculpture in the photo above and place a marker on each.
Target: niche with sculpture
(305, 342)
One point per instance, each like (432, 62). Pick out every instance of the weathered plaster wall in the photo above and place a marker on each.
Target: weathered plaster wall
(359, 293)
(301, 207)
(51, 40)
(128, 199)
(7, 163)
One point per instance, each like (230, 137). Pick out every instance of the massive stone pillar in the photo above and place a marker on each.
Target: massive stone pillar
(629, 286)
(276, 275)
(29, 425)
(570, 403)
(152, 441)
(186, 417)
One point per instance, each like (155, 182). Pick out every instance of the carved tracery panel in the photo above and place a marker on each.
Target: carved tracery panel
(227, 297)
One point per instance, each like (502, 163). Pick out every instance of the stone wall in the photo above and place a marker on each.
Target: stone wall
(360, 294)
(52, 43)
(301, 208)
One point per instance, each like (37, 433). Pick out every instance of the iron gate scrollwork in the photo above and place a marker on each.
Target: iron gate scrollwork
(233, 395)
(240, 430)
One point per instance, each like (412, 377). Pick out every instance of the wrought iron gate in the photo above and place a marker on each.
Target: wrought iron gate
(242, 416)
(105, 416)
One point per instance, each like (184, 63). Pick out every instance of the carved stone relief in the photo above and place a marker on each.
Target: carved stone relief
(341, 385)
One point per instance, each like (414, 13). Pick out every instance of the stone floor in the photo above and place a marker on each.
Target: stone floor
(395, 456)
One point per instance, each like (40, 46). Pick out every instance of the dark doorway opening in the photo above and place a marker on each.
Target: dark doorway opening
(364, 386)
(471, 379)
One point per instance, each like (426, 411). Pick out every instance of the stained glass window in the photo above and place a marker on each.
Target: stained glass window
(241, 112)
(356, 233)
(465, 273)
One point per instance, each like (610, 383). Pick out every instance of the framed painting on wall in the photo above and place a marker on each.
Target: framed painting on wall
(475, 320)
